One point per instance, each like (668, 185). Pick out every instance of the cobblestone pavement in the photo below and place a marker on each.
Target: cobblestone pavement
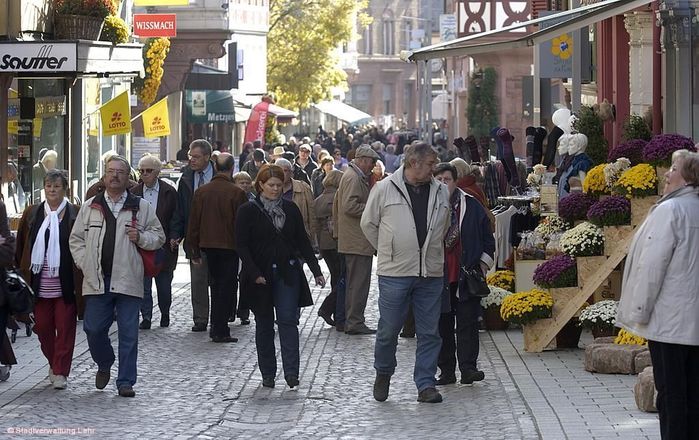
(189, 387)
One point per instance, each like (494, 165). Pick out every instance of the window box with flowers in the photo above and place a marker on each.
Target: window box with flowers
(491, 307)
(526, 307)
(600, 318)
(81, 19)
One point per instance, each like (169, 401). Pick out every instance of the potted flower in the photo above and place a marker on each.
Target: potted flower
(627, 338)
(600, 318)
(81, 19)
(504, 279)
(614, 170)
(594, 183)
(115, 30)
(526, 307)
(491, 307)
(584, 240)
(659, 150)
(569, 335)
(638, 181)
(574, 206)
(610, 211)
(632, 150)
(559, 271)
(550, 225)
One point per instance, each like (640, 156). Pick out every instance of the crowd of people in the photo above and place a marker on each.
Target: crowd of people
(420, 211)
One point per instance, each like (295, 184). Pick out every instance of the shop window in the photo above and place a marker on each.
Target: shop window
(361, 97)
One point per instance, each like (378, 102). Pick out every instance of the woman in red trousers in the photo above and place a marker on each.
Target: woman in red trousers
(44, 258)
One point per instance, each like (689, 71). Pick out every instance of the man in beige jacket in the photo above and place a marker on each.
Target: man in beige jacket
(300, 193)
(350, 200)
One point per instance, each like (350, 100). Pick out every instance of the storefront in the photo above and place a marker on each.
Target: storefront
(54, 90)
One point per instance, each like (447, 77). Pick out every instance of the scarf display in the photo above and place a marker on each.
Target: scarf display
(52, 251)
(274, 209)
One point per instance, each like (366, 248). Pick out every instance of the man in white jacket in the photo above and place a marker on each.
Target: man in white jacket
(107, 233)
(407, 216)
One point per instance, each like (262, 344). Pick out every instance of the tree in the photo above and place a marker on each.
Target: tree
(591, 125)
(482, 109)
(302, 66)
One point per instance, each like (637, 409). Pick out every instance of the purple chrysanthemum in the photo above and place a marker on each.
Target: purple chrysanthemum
(574, 206)
(632, 150)
(559, 271)
(660, 148)
(610, 211)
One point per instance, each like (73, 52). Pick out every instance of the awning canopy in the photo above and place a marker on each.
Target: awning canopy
(282, 114)
(565, 22)
(219, 106)
(343, 112)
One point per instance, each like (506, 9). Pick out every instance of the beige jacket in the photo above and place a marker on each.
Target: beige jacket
(127, 270)
(659, 296)
(350, 199)
(389, 226)
(303, 198)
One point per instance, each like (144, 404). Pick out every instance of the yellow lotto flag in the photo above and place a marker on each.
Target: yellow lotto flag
(38, 122)
(13, 126)
(116, 115)
(161, 2)
(156, 121)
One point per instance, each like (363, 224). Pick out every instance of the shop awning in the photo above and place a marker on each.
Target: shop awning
(283, 115)
(343, 112)
(220, 106)
(566, 21)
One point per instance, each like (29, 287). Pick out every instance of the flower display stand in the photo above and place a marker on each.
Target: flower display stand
(593, 272)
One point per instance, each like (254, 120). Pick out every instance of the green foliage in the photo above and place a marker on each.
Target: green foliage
(92, 8)
(636, 128)
(302, 66)
(482, 109)
(271, 132)
(591, 125)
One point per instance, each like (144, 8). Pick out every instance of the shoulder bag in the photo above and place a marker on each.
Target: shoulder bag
(473, 283)
(153, 261)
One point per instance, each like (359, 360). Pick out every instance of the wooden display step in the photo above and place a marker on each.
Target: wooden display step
(592, 273)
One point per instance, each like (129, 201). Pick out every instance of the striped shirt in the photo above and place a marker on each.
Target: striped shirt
(50, 287)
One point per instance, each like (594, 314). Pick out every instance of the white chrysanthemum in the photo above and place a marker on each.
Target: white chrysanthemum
(600, 313)
(495, 297)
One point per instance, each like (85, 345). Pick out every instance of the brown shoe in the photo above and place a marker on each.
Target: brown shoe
(102, 379)
(340, 328)
(429, 395)
(127, 391)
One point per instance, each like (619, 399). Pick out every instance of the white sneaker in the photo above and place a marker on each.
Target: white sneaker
(60, 382)
(52, 377)
(5, 372)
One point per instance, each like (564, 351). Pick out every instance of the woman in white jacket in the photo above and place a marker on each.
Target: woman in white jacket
(660, 296)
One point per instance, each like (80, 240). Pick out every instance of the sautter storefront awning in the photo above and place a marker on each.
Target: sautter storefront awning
(70, 58)
(567, 21)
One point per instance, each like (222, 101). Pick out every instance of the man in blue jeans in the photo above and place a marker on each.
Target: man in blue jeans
(407, 215)
(104, 242)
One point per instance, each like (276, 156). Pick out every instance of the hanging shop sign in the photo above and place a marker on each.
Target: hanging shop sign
(38, 57)
(155, 25)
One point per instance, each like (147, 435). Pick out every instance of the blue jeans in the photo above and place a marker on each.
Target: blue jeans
(286, 305)
(395, 294)
(163, 283)
(341, 293)
(98, 318)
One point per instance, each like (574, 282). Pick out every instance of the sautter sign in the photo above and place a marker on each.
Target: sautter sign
(38, 57)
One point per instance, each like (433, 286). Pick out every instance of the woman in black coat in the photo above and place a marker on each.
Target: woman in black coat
(272, 243)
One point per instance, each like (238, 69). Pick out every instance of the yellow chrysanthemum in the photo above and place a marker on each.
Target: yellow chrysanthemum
(525, 307)
(628, 338)
(562, 47)
(504, 279)
(638, 181)
(595, 182)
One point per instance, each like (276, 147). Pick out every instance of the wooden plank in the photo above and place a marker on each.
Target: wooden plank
(588, 266)
(640, 208)
(539, 334)
(613, 235)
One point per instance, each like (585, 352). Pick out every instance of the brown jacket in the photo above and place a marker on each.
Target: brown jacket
(303, 198)
(212, 219)
(349, 204)
(323, 206)
(165, 211)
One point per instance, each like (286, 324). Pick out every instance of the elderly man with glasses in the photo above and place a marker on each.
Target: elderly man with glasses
(162, 196)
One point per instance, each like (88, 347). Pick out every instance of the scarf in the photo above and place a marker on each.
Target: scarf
(454, 232)
(274, 209)
(50, 223)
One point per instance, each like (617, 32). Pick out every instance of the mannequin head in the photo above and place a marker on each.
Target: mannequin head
(561, 119)
(578, 144)
(564, 144)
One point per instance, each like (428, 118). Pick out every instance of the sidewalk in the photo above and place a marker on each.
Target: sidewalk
(189, 387)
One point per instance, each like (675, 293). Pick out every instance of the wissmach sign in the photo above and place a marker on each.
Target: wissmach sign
(38, 57)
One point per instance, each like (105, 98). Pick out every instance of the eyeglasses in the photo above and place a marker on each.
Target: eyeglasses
(113, 172)
(146, 170)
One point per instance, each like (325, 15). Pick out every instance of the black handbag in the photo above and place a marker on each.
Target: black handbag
(19, 296)
(473, 283)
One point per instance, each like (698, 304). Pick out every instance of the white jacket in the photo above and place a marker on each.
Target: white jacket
(660, 288)
(127, 269)
(388, 224)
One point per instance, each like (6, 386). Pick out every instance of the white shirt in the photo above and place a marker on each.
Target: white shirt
(151, 194)
(115, 205)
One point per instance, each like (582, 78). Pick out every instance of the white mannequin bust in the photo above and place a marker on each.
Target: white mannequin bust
(564, 145)
(577, 144)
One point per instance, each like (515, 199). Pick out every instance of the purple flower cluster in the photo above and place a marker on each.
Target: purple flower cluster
(660, 148)
(559, 271)
(632, 150)
(610, 211)
(574, 206)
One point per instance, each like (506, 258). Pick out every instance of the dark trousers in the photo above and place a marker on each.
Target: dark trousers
(341, 293)
(223, 276)
(286, 306)
(163, 283)
(676, 374)
(332, 259)
(465, 345)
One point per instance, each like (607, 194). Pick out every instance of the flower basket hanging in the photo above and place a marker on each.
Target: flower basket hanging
(77, 27)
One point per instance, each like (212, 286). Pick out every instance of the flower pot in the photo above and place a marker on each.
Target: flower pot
(493, 320)
(600, 332)
(77, 27)
(569, 336)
